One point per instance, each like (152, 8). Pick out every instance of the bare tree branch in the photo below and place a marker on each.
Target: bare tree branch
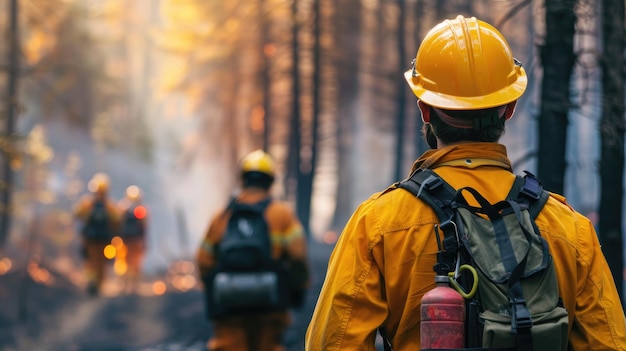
(512, 12)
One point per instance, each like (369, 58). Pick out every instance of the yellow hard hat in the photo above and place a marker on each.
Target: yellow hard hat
(98, 183)
(133, 193)
(466, 64)
(258, 161)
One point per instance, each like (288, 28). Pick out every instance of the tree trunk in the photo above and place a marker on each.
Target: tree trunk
(612, 140)
(307, 176)
(557, 59)
(348, 30)
(264, 74)
(11, 108)
(399, 172)
(431, 13)
(295, 137)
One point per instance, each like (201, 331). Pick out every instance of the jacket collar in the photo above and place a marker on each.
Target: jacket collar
(486, 151)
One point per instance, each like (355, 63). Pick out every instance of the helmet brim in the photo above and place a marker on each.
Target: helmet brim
(498, 98)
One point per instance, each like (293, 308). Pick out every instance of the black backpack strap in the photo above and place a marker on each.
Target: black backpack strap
(533, 189)
(257, 206)
(386, 343)
(265, 202)
(231, 202)
(434, 191)
(528, 189)
(532, 192)
(429, 187)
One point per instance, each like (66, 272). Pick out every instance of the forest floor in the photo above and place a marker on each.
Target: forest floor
(62, 317)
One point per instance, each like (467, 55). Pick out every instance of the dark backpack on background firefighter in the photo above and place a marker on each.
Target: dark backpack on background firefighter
(246, 278)
(517, 304)
(132, 225)
(98, 224)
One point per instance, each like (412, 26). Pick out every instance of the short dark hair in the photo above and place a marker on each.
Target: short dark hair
(449, 134)
(257, 180)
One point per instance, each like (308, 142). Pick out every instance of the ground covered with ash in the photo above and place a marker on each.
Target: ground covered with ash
(56, 314)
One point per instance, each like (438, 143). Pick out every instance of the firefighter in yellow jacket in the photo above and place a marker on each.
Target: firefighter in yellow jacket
(464, 73)
(257, 331)
(133, 231)
(99, 218)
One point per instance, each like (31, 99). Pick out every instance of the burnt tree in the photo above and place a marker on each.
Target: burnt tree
(612, 140)
(557, 59)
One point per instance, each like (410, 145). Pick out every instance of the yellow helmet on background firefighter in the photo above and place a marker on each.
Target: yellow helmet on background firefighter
(133, 193)
(257, 169)
(99, 183)
(466, 64)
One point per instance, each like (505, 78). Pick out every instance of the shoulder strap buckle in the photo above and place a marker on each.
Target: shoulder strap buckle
(432, 182)
(532, 186)
(521, 321)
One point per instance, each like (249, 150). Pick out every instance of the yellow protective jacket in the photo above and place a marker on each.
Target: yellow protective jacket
(382, 264)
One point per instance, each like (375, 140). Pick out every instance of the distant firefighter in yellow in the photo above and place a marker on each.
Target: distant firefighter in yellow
(134, 226)
(99, 218)
(253, 264)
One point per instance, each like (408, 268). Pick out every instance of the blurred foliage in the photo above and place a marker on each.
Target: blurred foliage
(204, 35)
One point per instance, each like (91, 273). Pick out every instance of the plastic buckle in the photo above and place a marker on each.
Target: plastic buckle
(521, 322)
(450, 236)
(447, 226)
(532, 186)
(432, 182)
(441, 267)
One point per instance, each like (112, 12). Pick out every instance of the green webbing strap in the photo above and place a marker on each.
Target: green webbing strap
(521, 321)
(533, 194)
(528, 190)
(516, 188)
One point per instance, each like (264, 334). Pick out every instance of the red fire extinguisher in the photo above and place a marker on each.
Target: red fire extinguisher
(442, 317)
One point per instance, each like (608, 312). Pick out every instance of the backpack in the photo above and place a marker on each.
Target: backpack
(98, 224)
(246, 278)
(132, 225)
(517, 304)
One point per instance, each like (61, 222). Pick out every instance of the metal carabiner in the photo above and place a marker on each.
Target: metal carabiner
(452, 276)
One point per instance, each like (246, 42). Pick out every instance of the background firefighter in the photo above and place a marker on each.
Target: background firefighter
(99, 219)
(258, 331)
(134, 226)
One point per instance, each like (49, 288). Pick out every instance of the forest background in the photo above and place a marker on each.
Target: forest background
(170, 94)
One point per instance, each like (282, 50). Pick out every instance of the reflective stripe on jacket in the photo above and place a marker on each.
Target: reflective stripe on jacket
(383, 262)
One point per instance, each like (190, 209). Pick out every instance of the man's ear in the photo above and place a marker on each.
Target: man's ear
(510, 110)
(425, 109)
